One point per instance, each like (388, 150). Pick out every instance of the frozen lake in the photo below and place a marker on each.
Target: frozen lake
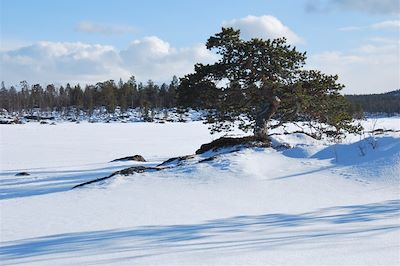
(314, 204)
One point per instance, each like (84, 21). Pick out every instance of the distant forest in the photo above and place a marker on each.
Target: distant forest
(131, 94)
(109, 94)
(388, 103)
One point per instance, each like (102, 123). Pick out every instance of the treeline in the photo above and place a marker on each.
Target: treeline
(388, 103)
(132, 94)
(109, 94)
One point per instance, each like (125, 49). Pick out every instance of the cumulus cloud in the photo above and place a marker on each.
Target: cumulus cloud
(92, 27)
(153, 58)
(371, 68)
(266, 27)
(61, 62)
(366, 6)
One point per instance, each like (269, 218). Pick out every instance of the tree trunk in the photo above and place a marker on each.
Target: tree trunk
(263, 117)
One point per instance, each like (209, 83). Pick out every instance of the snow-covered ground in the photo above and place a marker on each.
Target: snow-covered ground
(314, 204)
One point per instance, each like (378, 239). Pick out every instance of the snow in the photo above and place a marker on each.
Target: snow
(318, 203)
(33, 145)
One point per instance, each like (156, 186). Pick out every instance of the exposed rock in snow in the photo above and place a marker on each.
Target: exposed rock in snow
(175, 161)
(22, 174)
(233, 144)
(138, 158)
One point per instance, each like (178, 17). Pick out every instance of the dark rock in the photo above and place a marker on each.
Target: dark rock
(43, 122)
(126, 172)
(36, 117)
(91, 181)
(32, 117)
(209, 159)
(177, 160)
(148, 119)
(22, 174)
(225, 142)
(138, 158)
(134, 169)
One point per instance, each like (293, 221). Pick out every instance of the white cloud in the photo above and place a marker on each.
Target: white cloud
(153, 58)
(350, 28)
(386, 24)
(383, 40)
(266, 27)
(59, 62)
(92, 27)
(371, 68)
(12, 44)
(62, 62)
(151, 46)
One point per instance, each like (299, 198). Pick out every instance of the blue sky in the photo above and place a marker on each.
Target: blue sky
(92, 40)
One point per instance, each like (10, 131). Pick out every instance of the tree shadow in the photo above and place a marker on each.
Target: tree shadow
(360, 152)
(362, 158)
(313, 171)
(235, 234)
(45, 181)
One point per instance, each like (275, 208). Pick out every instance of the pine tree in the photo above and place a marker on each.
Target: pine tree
(88, 99)
(171, 96)
(4, 98)
(108, 89)
(257, 80)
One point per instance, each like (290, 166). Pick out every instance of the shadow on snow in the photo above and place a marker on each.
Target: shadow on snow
(370, 158)
(45, 182)
(243, 233)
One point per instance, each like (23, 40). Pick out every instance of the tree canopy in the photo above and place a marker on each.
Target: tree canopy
(256, 80)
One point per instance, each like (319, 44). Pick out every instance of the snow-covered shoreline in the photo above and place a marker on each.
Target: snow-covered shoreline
(100, 115)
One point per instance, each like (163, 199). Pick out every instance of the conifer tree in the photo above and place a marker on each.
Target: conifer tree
(258, 80)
